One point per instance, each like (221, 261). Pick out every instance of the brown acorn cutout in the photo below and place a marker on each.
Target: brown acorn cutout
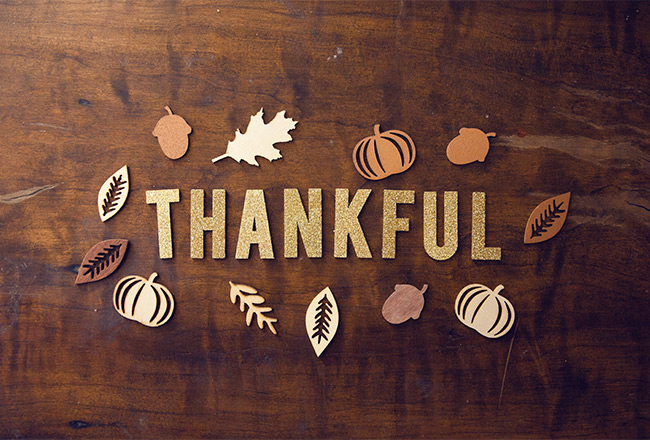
(383, 154)
(172, 132)
(404, 303)
(547, 219)
(469, 146)
(101, 260)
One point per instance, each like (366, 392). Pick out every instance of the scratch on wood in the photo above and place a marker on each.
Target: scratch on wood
(592, 124)
(42, 124)
(78, 424)
(638, 206)
(503, 381)
(22, 195)
(616, 151)
(599, 95)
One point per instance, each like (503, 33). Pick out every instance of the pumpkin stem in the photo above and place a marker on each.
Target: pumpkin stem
(168, 110)
(151, 278)
(498, 289)
(376, 130)
(490, 134)
(424, 289)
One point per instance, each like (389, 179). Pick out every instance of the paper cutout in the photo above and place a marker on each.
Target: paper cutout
(469, 146)
(479, 216)
(392, 223)
(485, 310)
(547, 219)
(172, 132)
(430, 221)
(254, 226)
(142, 300)
(163, 198)
(113, 193)
(404, 303)
(310, 226)
(347, 225)
(322, 320)
(259, 139)
(384, 154)
(237, 291)
(101, 260)
(216, 224)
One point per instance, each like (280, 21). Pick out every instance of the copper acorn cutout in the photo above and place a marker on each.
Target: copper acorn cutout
(547, 219)
(404, 303)
(172, 132)
(101, 260)
(384, 154)
(471, 145)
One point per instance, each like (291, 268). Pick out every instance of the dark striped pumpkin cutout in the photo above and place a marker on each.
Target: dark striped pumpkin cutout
(142, 300)
(485, 310)
(384, 154)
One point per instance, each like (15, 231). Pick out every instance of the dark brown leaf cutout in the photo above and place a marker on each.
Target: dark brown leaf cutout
(102, 260)
(547, 219)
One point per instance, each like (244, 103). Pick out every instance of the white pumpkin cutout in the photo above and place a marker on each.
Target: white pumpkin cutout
(484, 310)
(142, 300)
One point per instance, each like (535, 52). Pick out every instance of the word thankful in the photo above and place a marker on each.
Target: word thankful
(254, 226)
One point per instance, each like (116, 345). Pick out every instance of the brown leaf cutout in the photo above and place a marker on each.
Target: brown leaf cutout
(102, 260)
(547, 219)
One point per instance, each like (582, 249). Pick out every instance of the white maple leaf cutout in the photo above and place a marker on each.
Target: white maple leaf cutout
(259, 138)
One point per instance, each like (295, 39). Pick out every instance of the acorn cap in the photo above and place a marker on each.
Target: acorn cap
(171, 125)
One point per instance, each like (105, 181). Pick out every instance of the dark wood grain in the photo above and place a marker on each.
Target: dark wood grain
(566, 87)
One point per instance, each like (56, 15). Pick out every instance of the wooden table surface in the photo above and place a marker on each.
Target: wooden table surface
(566, 87)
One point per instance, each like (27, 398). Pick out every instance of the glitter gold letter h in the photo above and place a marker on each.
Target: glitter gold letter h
(199, 223)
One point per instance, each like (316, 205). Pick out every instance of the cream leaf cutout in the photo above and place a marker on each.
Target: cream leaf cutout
(113, 193)
(322, 320)
(251, 300)
(259, 138)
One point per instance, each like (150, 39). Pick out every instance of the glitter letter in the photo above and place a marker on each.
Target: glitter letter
(450, 247)
(346, 223)
(479, 251)
(216, 223)
(295, 218)
(254, 227)
(162, 198)
(392, 223)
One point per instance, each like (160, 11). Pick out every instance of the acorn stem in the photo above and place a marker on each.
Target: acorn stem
(377, 130)
(490, 134)
(168, 110)
(424, 289)
(151, 278)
